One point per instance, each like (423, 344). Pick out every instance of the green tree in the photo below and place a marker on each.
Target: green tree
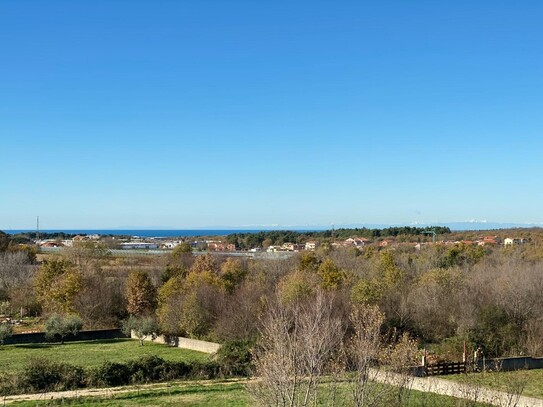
(308, 261)
(140, 293)
(141, 327)
(4, 241)
(182, 249)
(56, 285)
(367, 291)
(62, 326)
(6, 330)
(330, 274)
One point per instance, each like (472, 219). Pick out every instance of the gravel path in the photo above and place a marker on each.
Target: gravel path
(460, 390)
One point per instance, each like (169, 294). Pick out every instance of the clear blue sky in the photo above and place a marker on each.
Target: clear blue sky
(232, 113)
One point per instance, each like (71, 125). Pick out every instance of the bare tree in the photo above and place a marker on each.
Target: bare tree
(298, 343)
(364, 350)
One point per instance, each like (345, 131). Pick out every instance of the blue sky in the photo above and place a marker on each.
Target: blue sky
(233, 113)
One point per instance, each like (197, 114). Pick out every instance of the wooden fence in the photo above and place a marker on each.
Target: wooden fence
(445, 368)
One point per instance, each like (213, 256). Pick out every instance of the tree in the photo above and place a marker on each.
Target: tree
(83, 252)
(61, 326)
(4, 241)
(205, 263)
(331, 276)
(6, 330)
(298, 343)
(56, 284)
(308, 261)
(182, 249)
(140, 293)
(141, 327)
(364, 350)
(232, 273)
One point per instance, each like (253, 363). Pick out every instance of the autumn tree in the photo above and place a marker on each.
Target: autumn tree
(56, 284)
(140, 293)
(204, 263)
(232, 273)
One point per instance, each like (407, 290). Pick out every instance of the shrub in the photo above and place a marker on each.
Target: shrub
(43, 375)
(235, 358)
(110, 374)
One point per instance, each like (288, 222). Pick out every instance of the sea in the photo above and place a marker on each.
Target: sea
(148, 233)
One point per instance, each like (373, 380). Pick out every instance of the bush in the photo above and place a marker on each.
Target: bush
(235, 358)
(110, 374)
(43, 375)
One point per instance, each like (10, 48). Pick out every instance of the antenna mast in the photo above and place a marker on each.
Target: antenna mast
(37, 228)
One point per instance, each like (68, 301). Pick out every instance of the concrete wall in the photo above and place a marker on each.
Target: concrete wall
(185, 343)
(39, 337)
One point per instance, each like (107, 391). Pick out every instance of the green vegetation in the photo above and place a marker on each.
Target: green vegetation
(60, 326)
(529, 381)
(277, 237)
(217, 394)
(13, 358)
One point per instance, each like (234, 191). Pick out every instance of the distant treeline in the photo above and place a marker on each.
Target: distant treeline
(278, 237)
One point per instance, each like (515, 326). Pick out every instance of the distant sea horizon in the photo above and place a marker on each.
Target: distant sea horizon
(166, 233)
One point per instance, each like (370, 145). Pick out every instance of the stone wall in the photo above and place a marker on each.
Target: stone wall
(186, 343)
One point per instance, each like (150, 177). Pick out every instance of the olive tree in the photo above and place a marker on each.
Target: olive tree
(62, 326)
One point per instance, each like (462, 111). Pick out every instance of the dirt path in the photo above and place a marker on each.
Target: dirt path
(112, 391)
(426, 384)
(460, 390)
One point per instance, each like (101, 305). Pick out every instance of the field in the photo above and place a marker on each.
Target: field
(217, 394)
(13, 358)
(530, 380)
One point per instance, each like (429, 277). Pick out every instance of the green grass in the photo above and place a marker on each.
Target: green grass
(13, 358)
(233, 394)
(506, 381)
(193, 395)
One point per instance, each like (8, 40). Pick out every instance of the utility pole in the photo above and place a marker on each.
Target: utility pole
(37, 228)
(433, 233)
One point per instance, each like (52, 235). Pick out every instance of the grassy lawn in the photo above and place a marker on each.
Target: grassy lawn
(13, 358)
(232, 394)
(507, 381)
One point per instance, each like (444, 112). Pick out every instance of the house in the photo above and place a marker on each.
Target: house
(292, 247)
(386, 242)
(357, 241)
(310, 245)
(508, 241)
(489, 240)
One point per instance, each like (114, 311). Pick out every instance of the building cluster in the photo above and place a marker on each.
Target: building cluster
(220, 246)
